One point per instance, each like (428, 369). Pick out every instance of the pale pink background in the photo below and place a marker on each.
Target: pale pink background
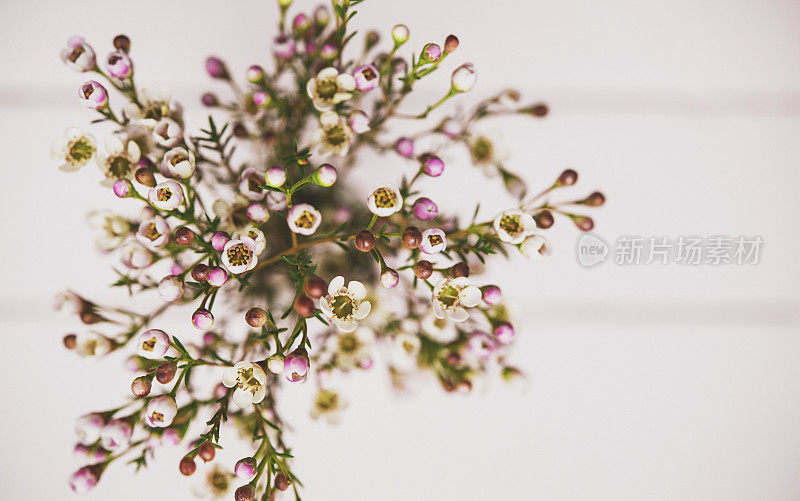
(648, 383)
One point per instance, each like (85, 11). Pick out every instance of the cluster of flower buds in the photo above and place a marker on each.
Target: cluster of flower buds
(255, 216)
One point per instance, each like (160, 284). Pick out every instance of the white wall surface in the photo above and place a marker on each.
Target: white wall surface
(649, 382)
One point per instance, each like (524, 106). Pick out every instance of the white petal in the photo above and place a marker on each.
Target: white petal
(259, 374)
(357, 290)
(310, 87)
(362, 310)
(346, 82)
(242, 398)
(470, 296)
(457, 314)
(460, 281)
(329, 72)
(229, 377)
(438, 311)
(335, 285)
(114, 145)
(325, 306)
(345, 325)
(259, 395)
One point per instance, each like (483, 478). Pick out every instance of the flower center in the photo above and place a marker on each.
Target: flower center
(511, 224)
(150, 232)
(149, 345)
(327, 88)
(246, 380)
(335, 135)
(435, 240)
(448, 296)
(76, 53)
(482, 149)
(119, 166)
(327, 400)
(163, 194)
(155, 110)
(157, 416)
(369, 74)
(342, 306)
(385, 198)
(218, 482)
(254, 185)
(239, 255)
(348, 343)
(81, 150)
(305, 220)
(178, 158)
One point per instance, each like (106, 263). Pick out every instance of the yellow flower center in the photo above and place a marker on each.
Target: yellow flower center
(511, 224)
(305, 220)
(385, 198)
(239, 255)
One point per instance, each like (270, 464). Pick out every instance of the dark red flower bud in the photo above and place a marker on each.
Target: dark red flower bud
(315, 287)
(184, 236)
(584, 223)
(304, 306)
(123, 43)
(256, 317)
(450, 44)
(245, 493)
(140, 387)
(165, 372)
(567, 178)
(210, 100)
(200, 272)
(187, 466)
(412, 237)
(538, 110)
(596, 199)
(544, 219)
(145, 176)
(365, 241)
(207, 451)
(459, 270)
(70, 341)
(282, 482)
(423, 269)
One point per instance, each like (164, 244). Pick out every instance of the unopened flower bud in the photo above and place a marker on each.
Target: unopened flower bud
(282, 482)
(261, 98)
(219, 240)
(315, 287)
(463, 78)
(423, 269)
(140, 387)
(296, 365)
(425, 209)
(365, 240)
(184, 236)
(460, 269)
(596, 199)
(187, 466)
(450, 44)
(325, 175)
(389, 278)
(537, 110)
(567, 178)
(275, 177)
(93, 95)
(70, 341)
(404, 147)
(431, 53)
(90, 317)
(535, 247)
(245, 469)
(123, 43)
(544, 219)
(433, 166)
(256, 317)
(122, 188)
(255, 74)
(166, 371)
(257, 212)
(400, 34)
(119, 65)
(491, 294)
(358, 121)
(504, 333)
(200, 272)
(202, 319)
(216, 68)
(170, 288)
(144, 175)
(584, 223)
(207, 451)
(275, 363)
(304, 306)
(209, 100)
(412, 237)
(217, 276)
(245, 493)
(85, 479)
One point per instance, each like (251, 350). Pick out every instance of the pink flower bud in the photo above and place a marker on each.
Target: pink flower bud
(358, 122)
(216, 68)
(283, 47)
(84, 480)
(116, 435)
(433, 166)
(78, 54)
(425, 209)
(405, 147)
(275, 177)
(300, 23)
(261, 99)
(328, 51)
(93, 95)
(255, 74)
(219, 240)
(431, 53)
(480, 345)
(161, 411)
(325, 175)
(217, 276)
(296, 365)
(122, 188)
(152, 344)
(170, 288)
(491, 294)
(504, 333)
(257, 212)
(245, 469)
(202, 319)
(389, 278)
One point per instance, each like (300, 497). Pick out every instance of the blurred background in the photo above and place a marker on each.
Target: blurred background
(656, 382)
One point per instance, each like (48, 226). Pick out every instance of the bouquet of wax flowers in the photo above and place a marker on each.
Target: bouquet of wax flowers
(287, 273)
